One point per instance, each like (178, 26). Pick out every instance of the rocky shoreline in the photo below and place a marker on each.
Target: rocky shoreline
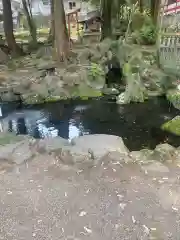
(85, 152)
(38, 78)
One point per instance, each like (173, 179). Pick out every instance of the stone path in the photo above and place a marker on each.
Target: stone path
(44, 200)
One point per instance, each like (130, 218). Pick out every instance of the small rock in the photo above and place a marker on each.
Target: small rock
(46, 65)
(110, 91)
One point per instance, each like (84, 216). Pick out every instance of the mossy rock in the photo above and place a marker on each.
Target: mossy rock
(172, 126)
(7, 138)
(174, 97)
(83, 91)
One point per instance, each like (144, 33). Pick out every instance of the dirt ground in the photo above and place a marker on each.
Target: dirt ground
(45, 200)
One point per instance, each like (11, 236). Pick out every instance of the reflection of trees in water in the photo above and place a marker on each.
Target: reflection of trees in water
(76, 126)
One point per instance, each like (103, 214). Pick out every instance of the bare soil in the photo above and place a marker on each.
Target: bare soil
(46, 200)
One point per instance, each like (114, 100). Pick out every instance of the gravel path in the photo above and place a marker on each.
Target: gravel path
(45, 200)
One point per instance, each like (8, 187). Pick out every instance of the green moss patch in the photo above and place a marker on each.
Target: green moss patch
(172, 126)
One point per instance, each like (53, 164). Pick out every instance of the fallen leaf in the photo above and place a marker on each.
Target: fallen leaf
(174, 208)
(133, 219)
(122, 205)
(9, 192)
(82, 214)
(146, 229)
(88, 230)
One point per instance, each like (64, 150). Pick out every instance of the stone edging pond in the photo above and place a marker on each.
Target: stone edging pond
(89, 150)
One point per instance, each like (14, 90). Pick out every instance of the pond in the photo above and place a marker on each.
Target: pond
(138, 124)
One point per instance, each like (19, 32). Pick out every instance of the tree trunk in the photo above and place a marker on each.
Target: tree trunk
(155, 5)
(30, 20)
(62, 43)
(106, 27)
(141, 6)
(8, 28)
(51, 37)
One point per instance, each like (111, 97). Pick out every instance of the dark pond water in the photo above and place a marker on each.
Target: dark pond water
(138, 124)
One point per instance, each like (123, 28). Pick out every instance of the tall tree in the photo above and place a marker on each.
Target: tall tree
(30, 20)
(106, 14)
(141, 6)
(155, 7)
(62, 43)
(52, 30)
(8, 28)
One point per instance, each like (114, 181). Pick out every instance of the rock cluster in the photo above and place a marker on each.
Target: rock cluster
(91, 150)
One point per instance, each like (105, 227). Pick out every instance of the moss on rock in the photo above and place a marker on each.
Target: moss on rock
(83, 91)
(7, 138)
(172, 126)
(174, 97)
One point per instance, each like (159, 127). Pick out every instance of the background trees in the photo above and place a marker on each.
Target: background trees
(114, 14)
(8, 28)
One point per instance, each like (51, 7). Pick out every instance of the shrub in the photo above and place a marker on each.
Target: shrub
(147, 33)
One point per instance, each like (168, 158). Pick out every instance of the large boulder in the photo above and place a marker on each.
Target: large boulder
(101, 144)
(163, 153)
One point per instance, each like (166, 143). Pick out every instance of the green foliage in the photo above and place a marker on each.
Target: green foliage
(147, 33)
(174, 97)
(95, 72)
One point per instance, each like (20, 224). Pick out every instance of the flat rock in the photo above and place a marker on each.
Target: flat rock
(17, 153)
(142, 155)
(116, 157)
(101, 144)
(155, 167)
(75, 155)
(50, 145)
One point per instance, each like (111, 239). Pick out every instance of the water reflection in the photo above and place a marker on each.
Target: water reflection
(72, 119)
(40, 124)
